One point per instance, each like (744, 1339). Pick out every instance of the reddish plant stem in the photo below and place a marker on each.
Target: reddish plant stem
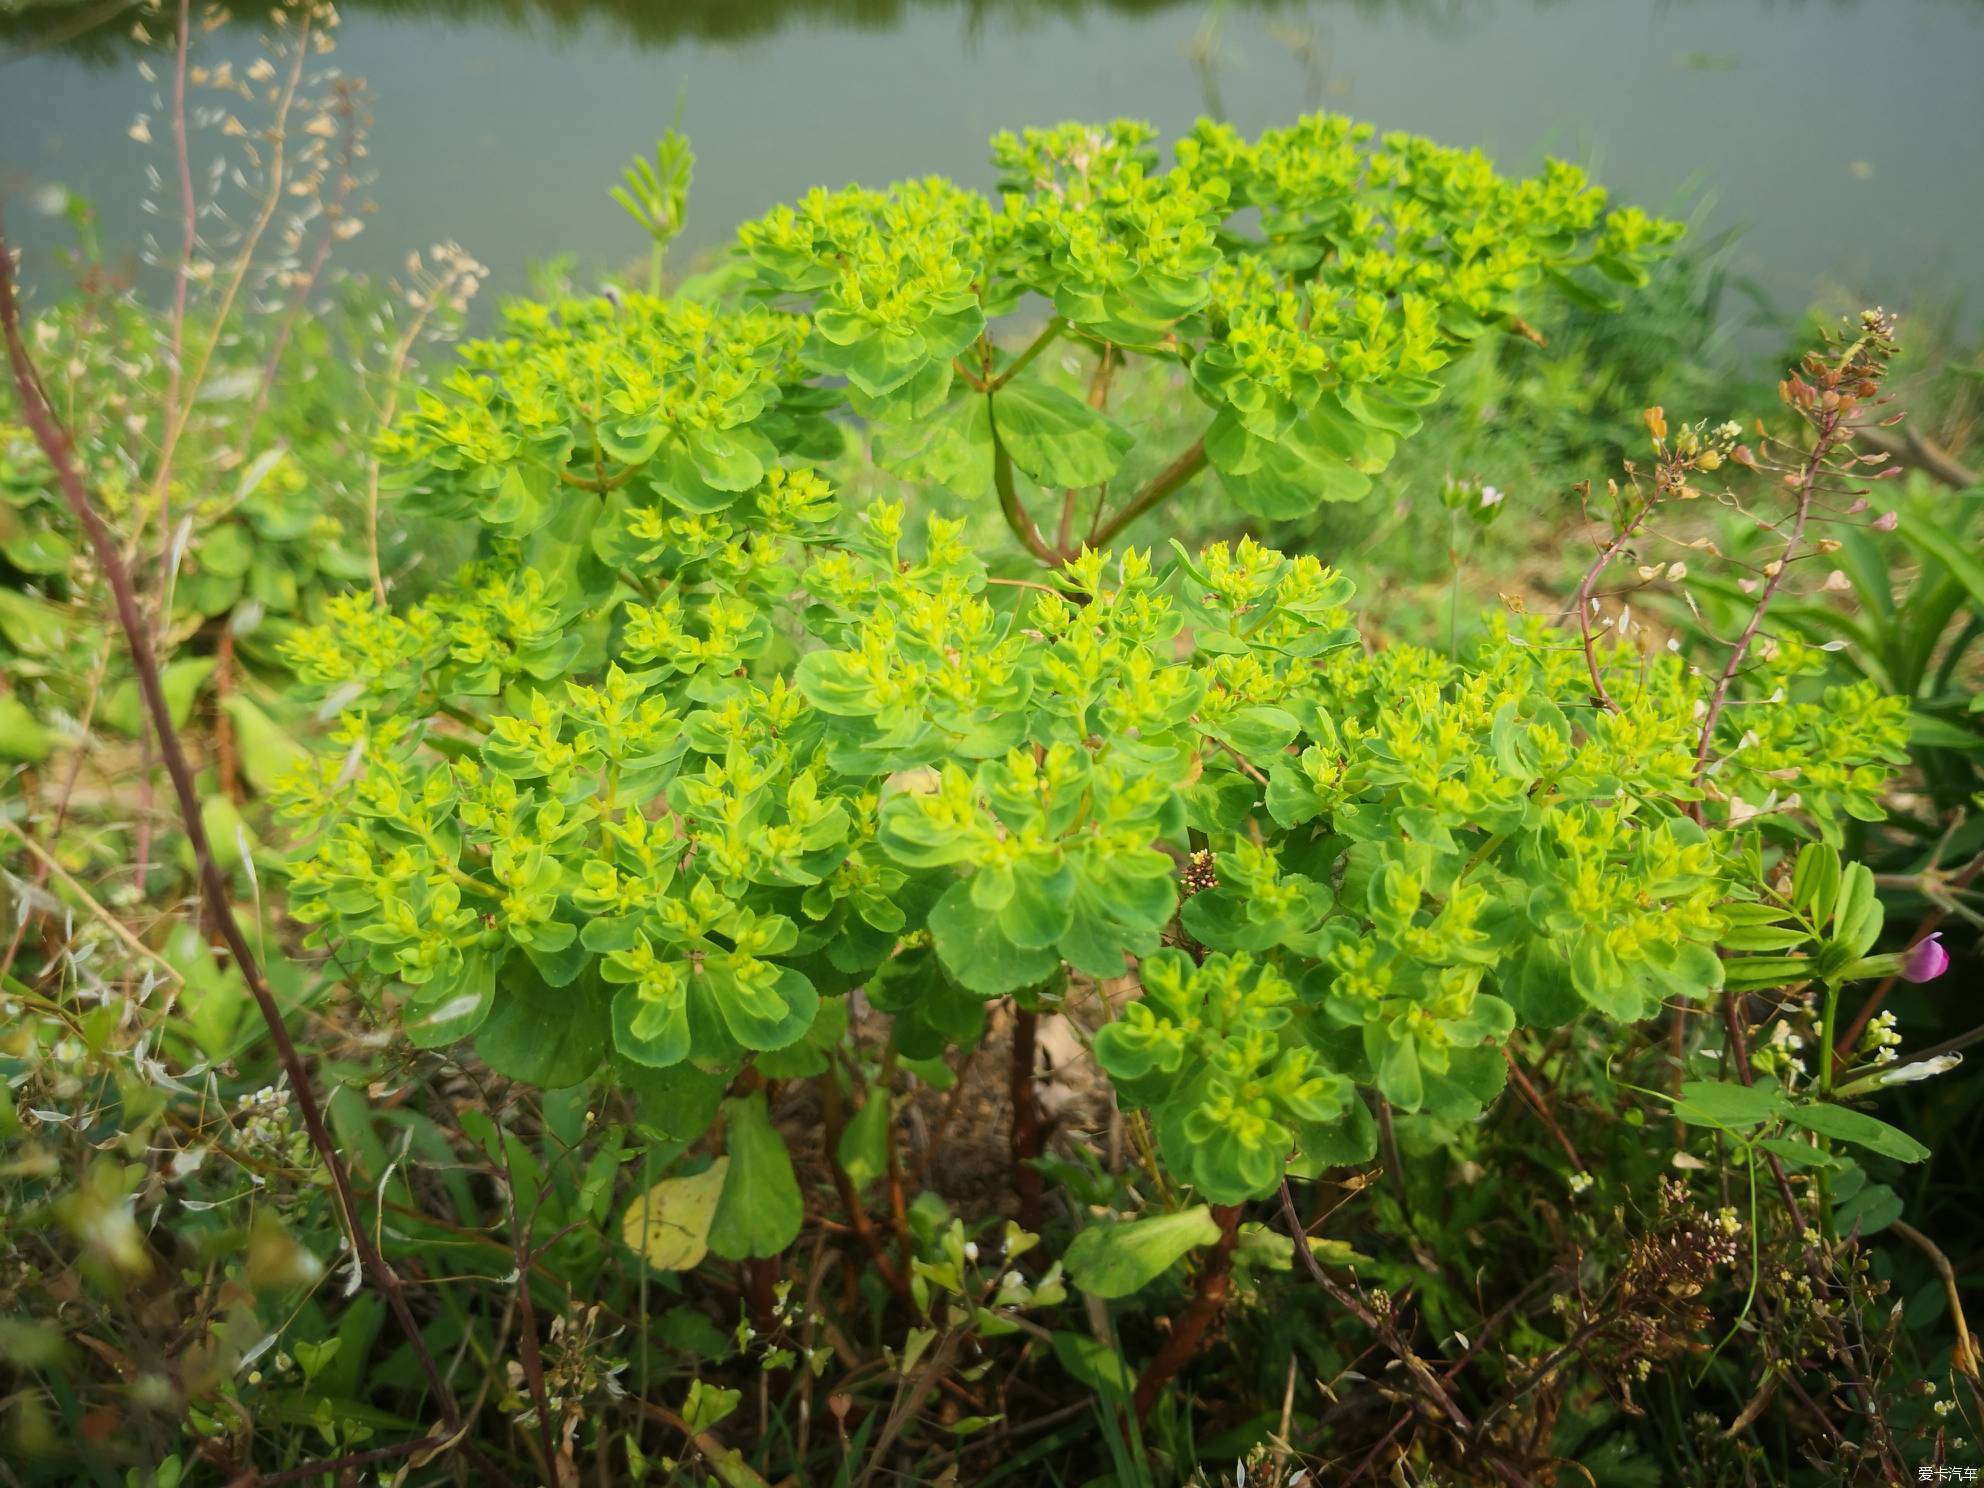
(528, 1344)
(1208, 1301)
(761, 1288)
(54, 442)
(898, 1198)
(1542, 1108)
(1161, 485)
(1807, 487)
(833, 1120)
(1591, 577)
(1027, 1142)
(1010, 506)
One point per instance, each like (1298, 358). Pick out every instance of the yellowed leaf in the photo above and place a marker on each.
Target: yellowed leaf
(670, 1223)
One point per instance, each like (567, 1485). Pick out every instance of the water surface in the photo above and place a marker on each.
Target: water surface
(1841, 138)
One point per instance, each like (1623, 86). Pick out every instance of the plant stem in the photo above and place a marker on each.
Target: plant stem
(1583, 601)
(1453, 584)
(833, 1120)
(1807, 488)
(54, 442)
(1826, 1025)
(1010, 505)
(1208, 1301)
(1053, 328)
(1161, 485)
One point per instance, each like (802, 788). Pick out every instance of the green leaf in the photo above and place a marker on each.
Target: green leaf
(1398, 1073)
(708, 1404)
(1867, 1211)
(977, 953)
(448, 1010)
(863, 1150)
(1935, 540)
(1859, 1129)
(267, 752)
(39, 551)
(546, 1036)
(23, 737)
(1114, 1260)
(760, 1211)
(1721, 1103)
(1055, 437)
(1095, 1365)
(1280, 480)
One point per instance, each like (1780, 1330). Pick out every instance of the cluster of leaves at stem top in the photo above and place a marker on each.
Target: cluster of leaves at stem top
(693, 750)
(1314, 283)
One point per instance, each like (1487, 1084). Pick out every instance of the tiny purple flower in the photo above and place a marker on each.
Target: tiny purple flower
(1926, 960)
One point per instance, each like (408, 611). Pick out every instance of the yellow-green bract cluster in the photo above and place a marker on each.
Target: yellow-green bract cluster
(670, 827)
(1314, 282)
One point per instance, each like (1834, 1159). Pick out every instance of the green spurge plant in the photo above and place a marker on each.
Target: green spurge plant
(1312, 283)
(693, 750)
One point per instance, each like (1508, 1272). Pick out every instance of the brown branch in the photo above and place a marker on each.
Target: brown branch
(833, 1120)
(55, 444)
(1208, 1301)
(1807, 488)
(1389, 1335)
(1542, 1108)
(1966, 1346)
(1161, 485)
(1584, 596)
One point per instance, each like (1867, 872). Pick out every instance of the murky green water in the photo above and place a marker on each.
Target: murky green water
(1843, 138)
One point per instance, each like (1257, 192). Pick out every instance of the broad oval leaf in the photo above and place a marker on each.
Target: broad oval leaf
(1114, 1260)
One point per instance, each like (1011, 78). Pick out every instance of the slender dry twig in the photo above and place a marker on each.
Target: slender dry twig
(179, 413)
(1583, 601)
(55, 445)
(97, 912)
(188, 225)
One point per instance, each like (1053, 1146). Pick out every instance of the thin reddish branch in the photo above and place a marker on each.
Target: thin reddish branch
(1807, 487)
(1584, 599)
(1208, 1301)
(1160, 487)
(1542, 1109)
(54, 441)
(833, 1120)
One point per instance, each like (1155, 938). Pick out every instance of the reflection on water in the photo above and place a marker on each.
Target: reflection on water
(103, 29)
(501, 122)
